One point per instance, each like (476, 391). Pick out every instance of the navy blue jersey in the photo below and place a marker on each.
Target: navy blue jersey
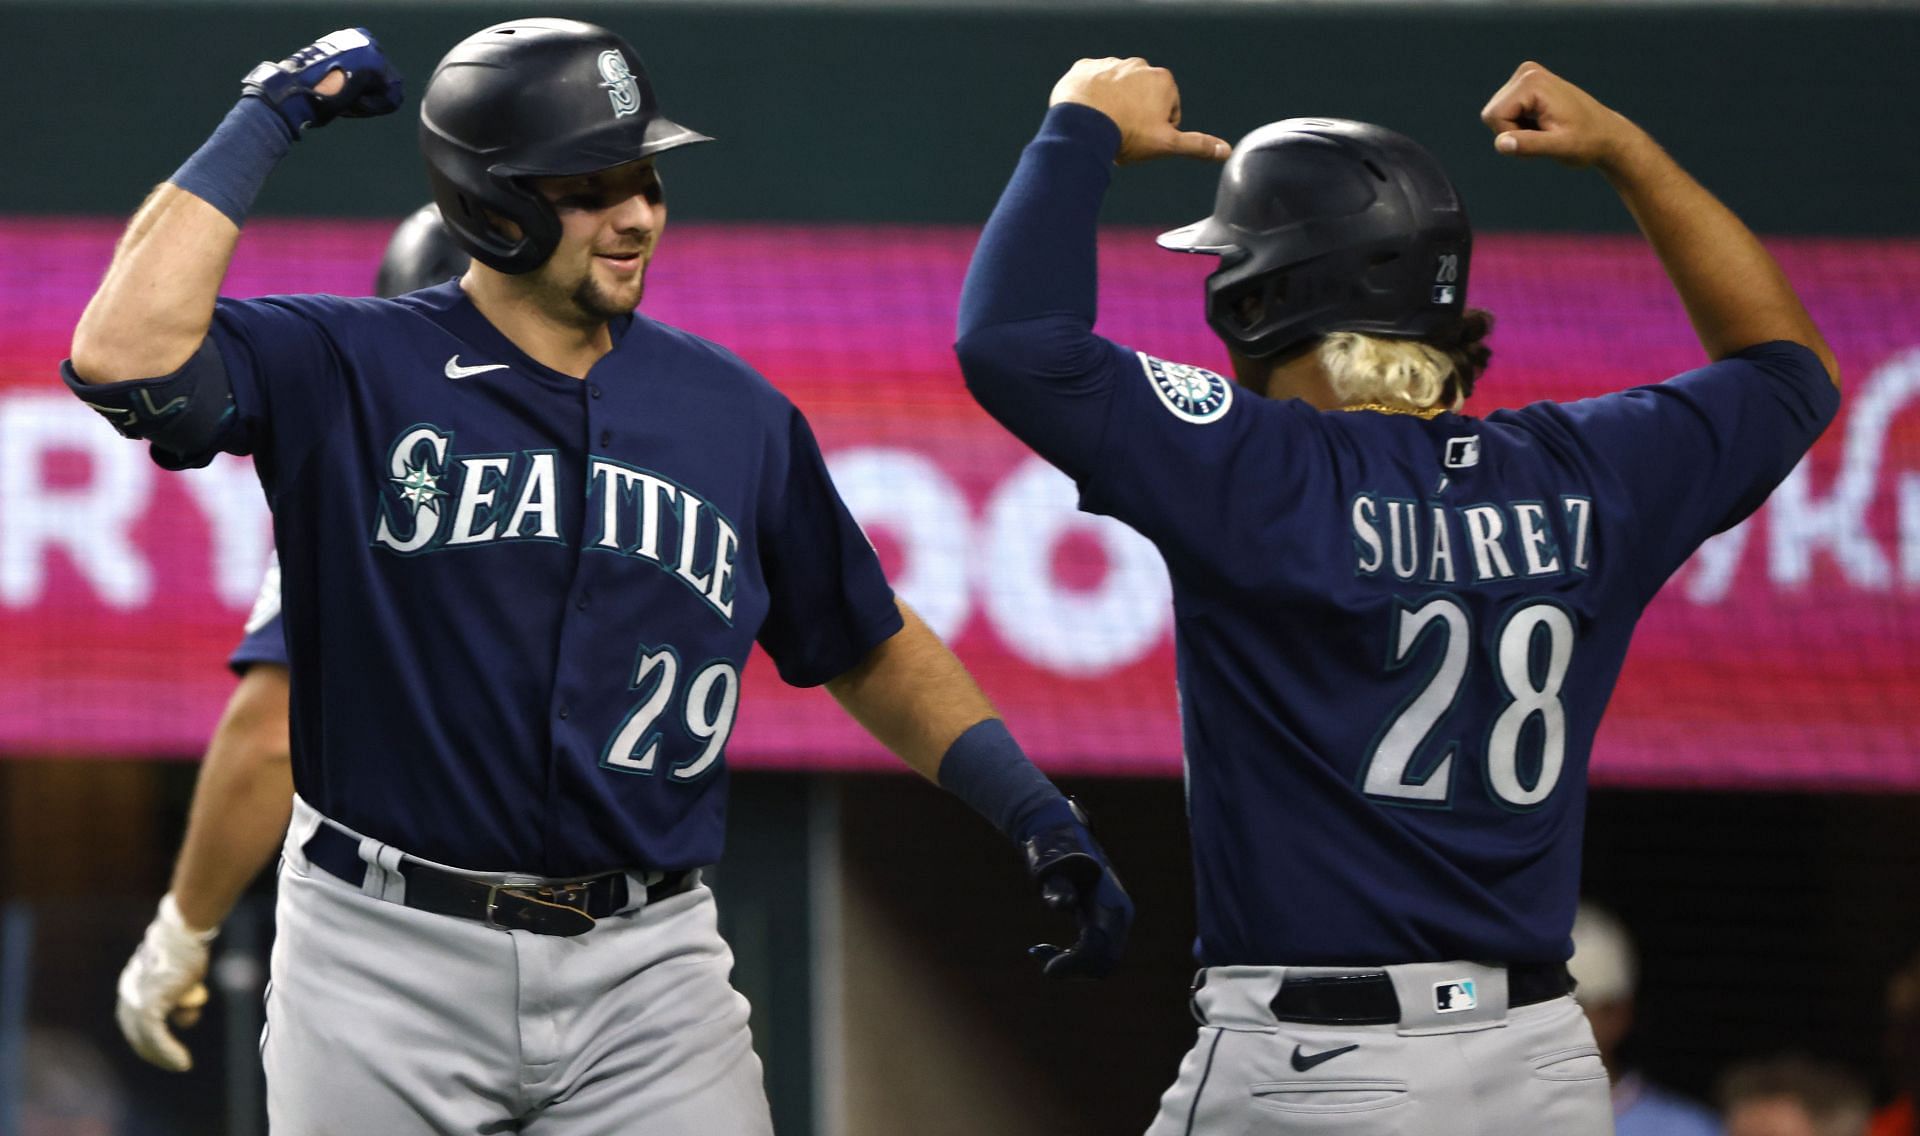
(1395, 637)
(518, 603)
(265, 637)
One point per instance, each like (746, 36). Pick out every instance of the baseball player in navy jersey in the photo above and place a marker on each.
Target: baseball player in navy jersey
(1397, 625)
(527, 538)
(244, 793)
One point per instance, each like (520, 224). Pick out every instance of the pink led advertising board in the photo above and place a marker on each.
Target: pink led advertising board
(1786, 654)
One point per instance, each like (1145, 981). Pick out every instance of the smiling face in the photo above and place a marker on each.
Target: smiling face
(610, 224)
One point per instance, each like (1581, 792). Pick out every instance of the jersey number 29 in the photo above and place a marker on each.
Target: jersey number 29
(707, 710)
(1529, 694)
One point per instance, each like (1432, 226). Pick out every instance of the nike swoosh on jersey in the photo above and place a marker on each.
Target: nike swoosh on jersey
(1305, 1061)
(456, 371)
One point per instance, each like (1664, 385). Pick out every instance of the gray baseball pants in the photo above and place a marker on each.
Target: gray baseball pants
(382, 1019)
(1489, 1071)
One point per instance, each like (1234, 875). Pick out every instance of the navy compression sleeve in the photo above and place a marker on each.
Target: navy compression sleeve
(1026, 342)
(1037, 255)
(985, 768)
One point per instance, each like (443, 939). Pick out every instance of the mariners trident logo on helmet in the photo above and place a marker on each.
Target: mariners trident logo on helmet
(621, 89)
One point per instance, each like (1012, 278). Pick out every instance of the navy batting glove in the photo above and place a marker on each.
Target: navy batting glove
(1074, 875)
(373, 86)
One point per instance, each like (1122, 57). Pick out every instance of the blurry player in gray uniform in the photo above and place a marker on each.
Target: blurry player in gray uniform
(245, 791)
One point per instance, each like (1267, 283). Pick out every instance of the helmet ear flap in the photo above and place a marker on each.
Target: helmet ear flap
(1246, 313)
(539, 229)
(473, 221)
(1251, 306)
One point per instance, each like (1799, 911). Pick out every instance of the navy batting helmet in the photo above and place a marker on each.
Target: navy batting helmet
(525, 99)
(1323, 225)
(420, 254)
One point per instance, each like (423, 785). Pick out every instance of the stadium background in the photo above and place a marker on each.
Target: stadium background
(1760, 771)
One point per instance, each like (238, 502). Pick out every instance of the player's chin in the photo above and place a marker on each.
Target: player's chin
(608, 297)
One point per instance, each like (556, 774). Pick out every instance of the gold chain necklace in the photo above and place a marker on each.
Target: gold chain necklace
(1386, 408)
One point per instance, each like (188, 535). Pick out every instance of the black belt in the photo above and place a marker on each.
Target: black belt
(552, 909)
(1367, 998)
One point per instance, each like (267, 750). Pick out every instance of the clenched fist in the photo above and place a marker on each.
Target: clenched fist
(1539, 114)
(1143, 102)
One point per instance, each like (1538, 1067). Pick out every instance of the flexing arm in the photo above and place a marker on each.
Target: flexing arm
(153, 308)
(1036, 257)
(916, 698)
(1734, 293)
(152, 311)
(1025, 338)
(241, 804)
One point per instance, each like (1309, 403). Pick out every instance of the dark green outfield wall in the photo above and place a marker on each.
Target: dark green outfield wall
(1801, 119)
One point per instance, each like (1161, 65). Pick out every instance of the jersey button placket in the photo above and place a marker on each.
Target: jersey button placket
(606, 436)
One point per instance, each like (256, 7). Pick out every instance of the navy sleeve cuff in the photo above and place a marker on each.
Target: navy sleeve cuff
(1076, 123)
(985, 768)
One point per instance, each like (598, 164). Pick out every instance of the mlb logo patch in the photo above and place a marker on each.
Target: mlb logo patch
(1443, 293)
(1463, 453)
(1453, 997)
(1193, 394)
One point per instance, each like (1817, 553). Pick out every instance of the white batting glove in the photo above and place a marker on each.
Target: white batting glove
(163, 981)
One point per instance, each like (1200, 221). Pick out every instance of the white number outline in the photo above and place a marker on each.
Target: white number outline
(1400, 739)
(633, 736)
(635, 746)
(716, 731)
(1513, 664)
(1503, 737)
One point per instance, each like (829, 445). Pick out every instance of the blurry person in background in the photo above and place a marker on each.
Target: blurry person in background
(1607, 971)
(1902, 1117)
(68, 1088)
(1794, 1096)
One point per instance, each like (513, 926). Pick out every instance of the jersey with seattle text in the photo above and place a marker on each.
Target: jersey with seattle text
(517, 603)
(1395, 637)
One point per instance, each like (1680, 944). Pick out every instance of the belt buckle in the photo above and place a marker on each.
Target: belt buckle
(544, 910)
(566, 895)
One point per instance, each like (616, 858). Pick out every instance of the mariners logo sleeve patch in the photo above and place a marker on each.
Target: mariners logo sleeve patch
(1193, 394)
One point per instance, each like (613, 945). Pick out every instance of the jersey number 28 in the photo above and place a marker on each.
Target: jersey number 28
(1532, 691)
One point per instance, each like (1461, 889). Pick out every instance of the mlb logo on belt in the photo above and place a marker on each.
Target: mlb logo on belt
(1453, 997)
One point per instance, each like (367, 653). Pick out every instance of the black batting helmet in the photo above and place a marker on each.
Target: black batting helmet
(420, 254)
(1323, 225)
(532, 98)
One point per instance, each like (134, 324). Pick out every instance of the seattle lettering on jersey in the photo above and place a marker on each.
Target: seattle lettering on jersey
(440, 500)
(1471, 544)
